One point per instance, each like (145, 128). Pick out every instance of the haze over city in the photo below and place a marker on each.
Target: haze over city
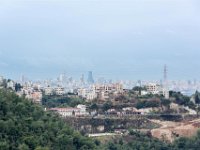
(99, 75)
(123, 39)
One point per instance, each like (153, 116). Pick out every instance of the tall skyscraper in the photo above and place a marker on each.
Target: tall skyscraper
(22, 79)
(139, 83)
(82, 78)
(61, 77)
(90, 78)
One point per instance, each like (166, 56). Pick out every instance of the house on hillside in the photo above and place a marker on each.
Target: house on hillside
(80, 110)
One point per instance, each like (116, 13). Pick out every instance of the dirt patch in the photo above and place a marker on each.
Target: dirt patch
(171, 130)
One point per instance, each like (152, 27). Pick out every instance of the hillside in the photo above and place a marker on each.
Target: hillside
(24, 126)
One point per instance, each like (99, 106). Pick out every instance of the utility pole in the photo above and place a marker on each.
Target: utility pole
(165, 87)
(165, 74)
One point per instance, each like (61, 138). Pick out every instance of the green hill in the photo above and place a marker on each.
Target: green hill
(24, 126)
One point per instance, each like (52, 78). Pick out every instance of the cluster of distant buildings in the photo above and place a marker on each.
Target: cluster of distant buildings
(81, 111)
(153, 88)
(7, 83)
(64, 85)
(91, 89)
(101, 91)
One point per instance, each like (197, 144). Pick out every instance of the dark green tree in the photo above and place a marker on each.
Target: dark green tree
(197, 98)
(25, 125)
(165, 103)
(107, 105)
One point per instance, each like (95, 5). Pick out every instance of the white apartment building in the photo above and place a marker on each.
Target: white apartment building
(69, 112)
(59, 91)
(166, 93)
(82, 92)
(153, 88)
(91, 95)
(108, 88)
(103, 95)
(100, 91)
(103, 90)
(35, 96)
(82, 109)
(48, 91)
(87, 93)
(11, 84)
(66, 112)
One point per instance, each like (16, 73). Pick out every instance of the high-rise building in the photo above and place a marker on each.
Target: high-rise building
(23, 79)
(82, 78)
(70, 80)
(139, 83)
(90, 78)
(61, 77)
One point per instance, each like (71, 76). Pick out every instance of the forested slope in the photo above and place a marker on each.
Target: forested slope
(24, 125)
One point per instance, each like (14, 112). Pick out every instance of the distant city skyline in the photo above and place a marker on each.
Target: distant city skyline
(124, 39)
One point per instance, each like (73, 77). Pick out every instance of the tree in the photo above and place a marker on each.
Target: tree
(147, 104)
(197, 98)
(25, 125)
(18, 87)
(107, 105)
(94, 106)
(191, 105)
(4, 145)
(41, 148)
(61, 101)
(139, 89)
(23, 147)
(198, 110)
(165, 103)
(4, 83)
(112, 146)
(197, 101)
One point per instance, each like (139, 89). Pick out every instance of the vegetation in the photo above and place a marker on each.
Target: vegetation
(180, 98)
(135, 141)
(197, 97)
(197, 102)
(138, 90)
(107, 105)
(147, 104)
(4, 83)
(184, 143)
(18, 87)
(141, 141)
(93, 107)
(25, 126)
(61, 101)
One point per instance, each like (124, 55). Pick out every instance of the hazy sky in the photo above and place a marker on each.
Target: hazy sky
(119, 39)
